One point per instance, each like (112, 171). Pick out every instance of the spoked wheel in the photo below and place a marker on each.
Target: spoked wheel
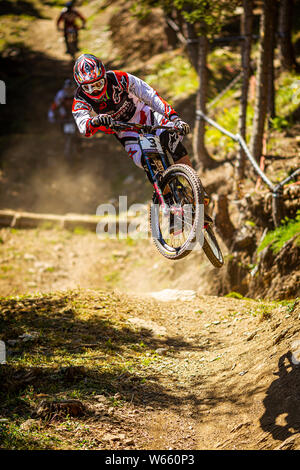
(72, 44)
(175, 229)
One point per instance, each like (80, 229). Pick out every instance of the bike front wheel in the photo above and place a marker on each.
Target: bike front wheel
(175, 228)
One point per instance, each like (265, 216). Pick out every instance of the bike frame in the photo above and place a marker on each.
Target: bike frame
(151, 149)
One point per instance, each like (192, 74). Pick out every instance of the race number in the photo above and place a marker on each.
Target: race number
(151, 143)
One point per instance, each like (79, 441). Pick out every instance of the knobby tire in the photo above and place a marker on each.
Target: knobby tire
(198, 195)
(210, 245)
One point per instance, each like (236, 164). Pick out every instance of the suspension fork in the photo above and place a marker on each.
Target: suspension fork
(154, 180)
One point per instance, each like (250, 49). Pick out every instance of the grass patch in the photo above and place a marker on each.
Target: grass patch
(237, 295)
(79, 230)
(6, 268)
(227, 117)
(112, 277)
(234, 295)
(287, 98)
(163, 73)
(70, 345)
(12, 437)
(282, 234)
(263, 310)
(290, 305)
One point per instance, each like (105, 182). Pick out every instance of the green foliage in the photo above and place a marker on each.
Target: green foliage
(229, 120)
(80, 230)
(12, 437)
(175, 77)
(262, 310)
(227, 117)
(279, 123)
(208, 13)
(140, 10)
(286, 98)
(56, 3)
(278, 237)
(208, 16)
(290, 305)
(250, 223)
(112, 277)
(234, 295)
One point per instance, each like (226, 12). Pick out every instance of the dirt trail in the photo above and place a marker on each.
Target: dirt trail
(225, 374)
(230, 381)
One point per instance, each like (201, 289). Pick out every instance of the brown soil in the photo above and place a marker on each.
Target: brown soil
(226, 376)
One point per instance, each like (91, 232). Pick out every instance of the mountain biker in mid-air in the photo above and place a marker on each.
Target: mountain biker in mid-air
(69, 17)
(62, 103)
(104, 96)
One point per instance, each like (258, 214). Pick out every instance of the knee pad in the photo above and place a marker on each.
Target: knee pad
(134, 151)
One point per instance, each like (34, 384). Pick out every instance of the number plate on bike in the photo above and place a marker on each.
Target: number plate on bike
(151, 143)
(69, 128)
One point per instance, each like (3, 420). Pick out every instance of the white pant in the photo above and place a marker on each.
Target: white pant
(130, 138)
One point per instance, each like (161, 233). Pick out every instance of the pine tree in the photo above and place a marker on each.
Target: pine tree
(246, 31)
(285, 21)
(262, 87)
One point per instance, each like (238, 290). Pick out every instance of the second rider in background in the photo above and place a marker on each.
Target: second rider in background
(69, 17)
(62, 103)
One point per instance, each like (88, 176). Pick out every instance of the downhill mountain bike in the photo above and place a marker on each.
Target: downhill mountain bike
(177, 216)
(71, 39)
(69, 130)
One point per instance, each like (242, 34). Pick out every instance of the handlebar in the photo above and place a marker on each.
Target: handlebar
(117, 125)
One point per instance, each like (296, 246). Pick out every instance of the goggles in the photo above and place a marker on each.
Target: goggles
(94, 87)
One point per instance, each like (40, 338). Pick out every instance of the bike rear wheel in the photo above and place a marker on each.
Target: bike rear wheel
(186, 193)
(72, 43)
(211, 248)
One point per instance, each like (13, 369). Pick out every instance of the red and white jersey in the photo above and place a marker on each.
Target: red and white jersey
(127, 99)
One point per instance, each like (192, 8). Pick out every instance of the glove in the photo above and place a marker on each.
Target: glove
(102, 120)
(182, 126)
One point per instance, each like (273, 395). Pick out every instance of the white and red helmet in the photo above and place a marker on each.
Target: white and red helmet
(90, 75)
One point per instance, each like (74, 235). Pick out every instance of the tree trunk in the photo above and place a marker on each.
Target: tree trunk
(261, 98)
(287, 55)
(273, 19)
(174, 24)
(192, 44)
(246, 31)
(203, 160)
(171, 30)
